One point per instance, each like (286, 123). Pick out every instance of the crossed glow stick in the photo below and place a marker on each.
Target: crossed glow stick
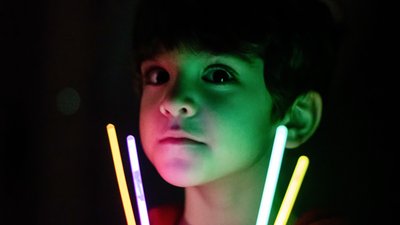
(137, 178)
(272, 178)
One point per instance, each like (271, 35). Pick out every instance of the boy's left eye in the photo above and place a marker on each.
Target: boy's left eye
(218, 75)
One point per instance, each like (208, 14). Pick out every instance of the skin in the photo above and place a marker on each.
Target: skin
(205, 124)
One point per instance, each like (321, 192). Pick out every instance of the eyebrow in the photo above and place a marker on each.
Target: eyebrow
(248, 58)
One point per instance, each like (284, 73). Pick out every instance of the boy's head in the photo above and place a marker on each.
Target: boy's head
(217, 78)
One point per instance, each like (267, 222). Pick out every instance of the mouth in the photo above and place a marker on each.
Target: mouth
(180, 141)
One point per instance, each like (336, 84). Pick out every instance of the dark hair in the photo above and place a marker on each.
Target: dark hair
(297, 39)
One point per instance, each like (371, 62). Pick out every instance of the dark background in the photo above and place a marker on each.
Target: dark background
(66, 76)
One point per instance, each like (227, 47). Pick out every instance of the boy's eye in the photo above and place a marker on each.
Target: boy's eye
(218, 76)
(156, 76)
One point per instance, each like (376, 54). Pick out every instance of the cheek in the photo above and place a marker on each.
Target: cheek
(149, 107)
(246, 133)
(147, 125)
(244, 127)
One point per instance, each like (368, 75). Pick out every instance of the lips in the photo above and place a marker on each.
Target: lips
(179, 141)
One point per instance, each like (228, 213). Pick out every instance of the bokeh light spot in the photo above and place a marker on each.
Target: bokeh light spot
(68, 101)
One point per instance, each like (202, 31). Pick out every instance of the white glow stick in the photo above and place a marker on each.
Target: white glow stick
(119, 170)
(137, 179)
(271, 180)
(292, 191)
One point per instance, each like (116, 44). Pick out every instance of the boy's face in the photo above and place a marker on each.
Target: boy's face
(204, 117)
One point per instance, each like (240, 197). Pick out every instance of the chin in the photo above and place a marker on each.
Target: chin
(178, 181)
(178, 175)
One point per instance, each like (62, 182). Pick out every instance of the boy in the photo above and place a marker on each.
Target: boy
(216, 80)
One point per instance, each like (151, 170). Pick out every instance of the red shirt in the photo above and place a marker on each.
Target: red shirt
(171, 214)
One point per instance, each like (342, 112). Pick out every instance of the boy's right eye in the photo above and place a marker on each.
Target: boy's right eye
(156, 76)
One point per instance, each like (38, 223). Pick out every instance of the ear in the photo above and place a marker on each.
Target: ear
(302, 119)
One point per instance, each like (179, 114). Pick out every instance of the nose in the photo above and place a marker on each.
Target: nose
(174, 107)
(179, 97)
(179, 102)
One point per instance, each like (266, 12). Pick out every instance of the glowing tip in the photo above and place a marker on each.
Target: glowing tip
(130, 138)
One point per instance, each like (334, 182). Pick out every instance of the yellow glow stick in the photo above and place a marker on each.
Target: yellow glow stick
(119, 170)
(292, 191)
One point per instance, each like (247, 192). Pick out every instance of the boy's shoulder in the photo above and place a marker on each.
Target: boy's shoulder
(166, 214)
(170, 214)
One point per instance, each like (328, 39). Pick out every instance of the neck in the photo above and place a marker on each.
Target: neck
(233, 200)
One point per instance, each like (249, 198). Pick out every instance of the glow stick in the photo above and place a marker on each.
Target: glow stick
(137, 179)
(292, 191)
(274, 166)
(119, 170)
